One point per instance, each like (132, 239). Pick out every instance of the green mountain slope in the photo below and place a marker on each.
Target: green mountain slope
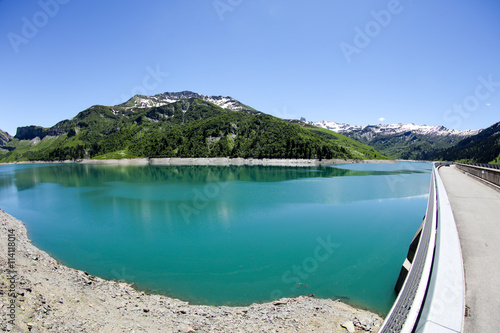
(356, 148)
(190, 127)
(483, 147)
(399, 141)
(408, 145)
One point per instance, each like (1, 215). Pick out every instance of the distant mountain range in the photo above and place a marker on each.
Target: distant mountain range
(400, 141)
(483, 147)
(369, 131)
(183, 124)
(187, 124)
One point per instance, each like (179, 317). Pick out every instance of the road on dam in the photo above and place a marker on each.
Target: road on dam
(476, 208)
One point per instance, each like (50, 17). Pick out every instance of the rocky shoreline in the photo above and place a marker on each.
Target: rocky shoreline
(39, 294)
(221, 161)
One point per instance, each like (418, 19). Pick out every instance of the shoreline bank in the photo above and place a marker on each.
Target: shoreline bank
(50, 297)
(217, 161)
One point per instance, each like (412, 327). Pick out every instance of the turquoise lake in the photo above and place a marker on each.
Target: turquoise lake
(227, 235)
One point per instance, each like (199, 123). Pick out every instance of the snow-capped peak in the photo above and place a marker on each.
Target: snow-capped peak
(392, 129)
(141, 101)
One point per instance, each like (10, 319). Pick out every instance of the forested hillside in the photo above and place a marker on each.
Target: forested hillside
(190, 127)
(483, 147)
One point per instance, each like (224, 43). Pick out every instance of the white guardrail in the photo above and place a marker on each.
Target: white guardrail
(432, 298)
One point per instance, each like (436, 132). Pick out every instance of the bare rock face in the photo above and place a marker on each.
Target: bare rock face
(4, 138)
(31, 132)
(50, 297)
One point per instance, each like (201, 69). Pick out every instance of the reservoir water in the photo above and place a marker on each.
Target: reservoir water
(227, 235)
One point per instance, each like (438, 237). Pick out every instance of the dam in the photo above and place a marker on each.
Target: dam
(452, 283)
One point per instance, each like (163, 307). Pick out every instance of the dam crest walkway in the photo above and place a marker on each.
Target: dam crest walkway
(476, 208)
(452, 271)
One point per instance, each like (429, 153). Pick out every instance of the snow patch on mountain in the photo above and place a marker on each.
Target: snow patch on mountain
(141, 101)
(392, 129)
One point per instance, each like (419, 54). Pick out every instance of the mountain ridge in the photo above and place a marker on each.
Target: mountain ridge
(400, 141)
(188, 127)
(225, 102)
(394, 128)
(188, 124)
(483, 147)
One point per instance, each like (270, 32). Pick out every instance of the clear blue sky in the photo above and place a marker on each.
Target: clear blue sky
(358, 62)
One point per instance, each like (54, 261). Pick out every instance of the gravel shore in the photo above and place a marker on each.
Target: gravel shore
(221, 161)
(39, 294)
(225, 161)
